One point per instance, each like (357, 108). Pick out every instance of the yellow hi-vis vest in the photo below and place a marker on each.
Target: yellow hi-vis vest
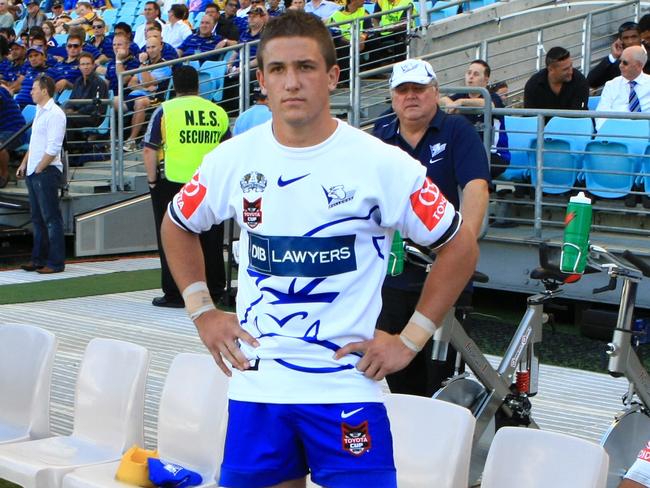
(193, 127)
(344, 16)
(394, 17)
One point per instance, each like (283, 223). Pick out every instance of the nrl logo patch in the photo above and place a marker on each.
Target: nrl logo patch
(336, 195)
(253, 181)
(356, 440)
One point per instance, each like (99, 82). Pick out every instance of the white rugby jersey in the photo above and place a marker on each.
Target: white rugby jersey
(640, 470)
(317, 225)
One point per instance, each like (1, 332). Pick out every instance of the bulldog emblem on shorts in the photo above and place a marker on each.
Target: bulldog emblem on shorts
(356, 440)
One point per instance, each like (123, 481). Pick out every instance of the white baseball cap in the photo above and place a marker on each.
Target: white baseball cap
(412, 71)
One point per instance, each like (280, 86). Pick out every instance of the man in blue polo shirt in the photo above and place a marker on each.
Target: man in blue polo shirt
(66, 72)
(451, 150)
(37, 66)
(12, 120)
(204, 41)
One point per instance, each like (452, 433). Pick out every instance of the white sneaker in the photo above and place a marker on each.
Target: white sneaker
(131, 146)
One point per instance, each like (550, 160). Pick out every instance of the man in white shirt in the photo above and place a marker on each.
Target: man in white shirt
(638, 476)
(629, 92)
(323, 8)
(43, 169)
(244, 7)
(151, 13)
(175, 31)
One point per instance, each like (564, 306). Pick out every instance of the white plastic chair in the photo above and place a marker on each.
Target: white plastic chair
(432, 441)
(191, 424)
(540, 459)
(26, 358)
(109, 404)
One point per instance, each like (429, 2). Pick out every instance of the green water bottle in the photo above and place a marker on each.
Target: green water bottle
(577, 224)
(396, 258)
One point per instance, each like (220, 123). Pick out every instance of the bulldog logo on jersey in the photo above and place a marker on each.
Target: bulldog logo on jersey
(191, 196)
(253, 181)
(356, 440)
(429, 204)
(252, 214)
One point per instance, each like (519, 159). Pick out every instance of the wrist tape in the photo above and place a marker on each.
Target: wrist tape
(417, 332)
(197, 300)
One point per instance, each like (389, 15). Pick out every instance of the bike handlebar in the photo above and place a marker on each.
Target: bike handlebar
(637, 262)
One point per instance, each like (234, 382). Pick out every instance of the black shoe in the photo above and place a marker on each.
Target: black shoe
(31, 267)
(646, 201)
(164, 301)
(630, 201)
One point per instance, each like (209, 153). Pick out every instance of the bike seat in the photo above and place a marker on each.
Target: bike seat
(553, 274)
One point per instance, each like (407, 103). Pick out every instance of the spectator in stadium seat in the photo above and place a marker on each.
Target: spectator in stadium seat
(5, 62)
(229, 14)
(629, 92)
(43, 171)
(501, 89)
(88, 86)
(151, 13)
(274, 9)
(37, 66)
(224, 27)
(168, 51)
(255, 115)
(34, 15)
(11, 121)
(17, 58)
(558, 86)
(322, 8)
(85, 17)
(124, 60)
(478, 74)
(204, 41)
(170, 162)
(644, 30)
(57, 11)
(175, 31)
(146, 88)
(126, 29)
(6, 17)
(100, 42)
(244, 7)
(49, 31)
(608, 68)
(66, 72)
(8, 33)
(38, 40)
(453, 155)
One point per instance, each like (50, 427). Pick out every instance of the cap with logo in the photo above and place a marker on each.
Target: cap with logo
(57, 5)
(36, 49)
(412, 71)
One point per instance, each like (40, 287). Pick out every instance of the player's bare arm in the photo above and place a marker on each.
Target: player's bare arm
(454, 265)
(220, 331)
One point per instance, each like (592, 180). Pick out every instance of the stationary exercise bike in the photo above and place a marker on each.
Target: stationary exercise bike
(497, 396)
(630, 430)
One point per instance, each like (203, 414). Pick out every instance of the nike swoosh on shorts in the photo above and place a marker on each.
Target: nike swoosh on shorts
(345, 415)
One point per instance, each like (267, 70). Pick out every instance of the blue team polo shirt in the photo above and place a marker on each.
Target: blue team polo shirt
(12, 119)
(13, 71)
(195, 44)
(111, 76)
(24, 95)
(64, 70)
(168, 52)
(453, 155)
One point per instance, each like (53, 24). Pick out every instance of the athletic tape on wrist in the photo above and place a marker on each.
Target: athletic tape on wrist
(423, 321)
(197, 299)
(407, 342)
(416, 335)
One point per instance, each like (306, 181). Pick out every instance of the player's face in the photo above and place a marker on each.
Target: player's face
(297, 81)
(413, 102)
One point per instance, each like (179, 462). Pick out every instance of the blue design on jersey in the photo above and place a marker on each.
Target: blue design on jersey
(339, 221)
(303, 295)
(250, 307)
(258, 276)
(302, 256)
(282, 322)
(375, 242)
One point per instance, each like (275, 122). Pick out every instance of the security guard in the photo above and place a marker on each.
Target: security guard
(181, 131)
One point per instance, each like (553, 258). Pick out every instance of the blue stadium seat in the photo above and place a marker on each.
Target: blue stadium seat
(63, 97)
(29, 112)
(61, 39)
(104, 127)
(564, 141)
(593, 103)
(633, 133)
(604, 158)
(645, 170)
(522, 131)
(444, 13)
(109, 16)
(211, 80)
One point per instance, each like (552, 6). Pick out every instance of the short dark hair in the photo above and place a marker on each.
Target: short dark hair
(294, 23)
(37, 35)
(186, 80)
(485, 65)
(627, 26)
(4, 46)
(8, 31)
(178, 10)
(35, 29)
(46, 83)
(556, 54)
(155, 5)
(124, 27)
(154, 25)
(211, 5)
(77, 37)
(86, 54)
